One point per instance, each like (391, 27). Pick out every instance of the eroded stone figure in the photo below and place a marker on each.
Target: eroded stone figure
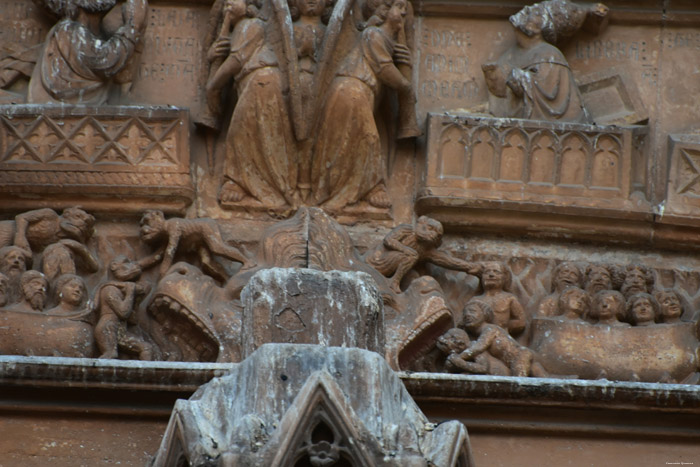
(406, 247)
(507, 312)
(4, 290)
(574, 304)
(495, 340)
(349, 165)
(642, 309)
(115, 302)
(670, 308)
(72, 299)
(80, 60)
(454, 342)
(13, 263)
(638, 279)
(566, 274)
(533, 80)
(609, 308)
(34, 289)
(201, 236)
(599, 277)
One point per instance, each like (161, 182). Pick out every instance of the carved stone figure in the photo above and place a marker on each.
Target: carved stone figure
(609, 308)
(670, 308)
(406, 247)
(199, 235)
(453, 343)
(565, 275)
(4, 290)
(574, 304)
(79, 60)
(73, 299)
(507, 311)
(533, 80)
(349, 165)
(642, 309)
(13, 263)
(34, 288)
(495, 340)
(599, 277)
(115, 302)
(638, 279)
(35, 230)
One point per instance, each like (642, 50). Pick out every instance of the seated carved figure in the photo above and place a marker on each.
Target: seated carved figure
(670, 308)
(609, 308)
(507, 313)
(565, 275)
(34, 287)
(642, 309)
(496, 341)
(406, 247)
(574, 304)
(533, 80)
(79, 61)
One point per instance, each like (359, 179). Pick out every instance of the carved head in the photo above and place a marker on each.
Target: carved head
(152, 226)
(13, 260)
(608, 305)
(377, 12)
(642, 309)
(4, 291)
(598, 278)
(455, 340)
(670, 308)
(34, 288)
(638, 279)
(530, 20)
(123, 269)
(565, 275)
(575, 300)
(77, 224)
(308, 8)
(429, 230)
(476, 313)
(70, 8)
(71, 290)
(495, 276)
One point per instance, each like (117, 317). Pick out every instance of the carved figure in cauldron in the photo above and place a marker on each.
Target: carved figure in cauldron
(199, 235)
(642, 309)
(495, 340)
(533, 80)
(406, 247)
(34, 288)
(600, 277)
(261, 155)
(4, 290)
(670, 308)
(574, 304)
(565, 275)
(507, 311)
(80, 60)
(348, 165)
(609, 308)
(638, 279)
(13, 263)
(115, 302)
(72, 299)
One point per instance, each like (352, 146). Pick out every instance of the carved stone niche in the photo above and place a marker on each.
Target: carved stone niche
(683, 187)
(532, 167)
(304, 306)
(304, 405)
(96, 157)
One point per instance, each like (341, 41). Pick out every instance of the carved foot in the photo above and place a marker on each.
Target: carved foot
(409, 130)
(231, 192)
(109, 354)
(378, 197)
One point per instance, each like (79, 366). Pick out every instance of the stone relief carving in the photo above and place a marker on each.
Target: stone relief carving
(533, 80)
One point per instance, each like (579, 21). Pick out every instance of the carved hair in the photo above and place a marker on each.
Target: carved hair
(560, 19)
(4, 251)
(29, 276)
(69, 8)
(123, 269)
(567, 264)
(507, 277)
(572, 289)
(65, 279)
(485, 308)
(632, 301)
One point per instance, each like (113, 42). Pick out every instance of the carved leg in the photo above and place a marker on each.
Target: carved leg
(405, 265)
(231, 192)
(106, 338)
(378, 197)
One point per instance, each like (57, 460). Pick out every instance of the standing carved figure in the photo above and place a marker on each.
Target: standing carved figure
(406, 247)
(533, 80)
(348, 164)
(115, 302)
(507, 313)
(80, 60)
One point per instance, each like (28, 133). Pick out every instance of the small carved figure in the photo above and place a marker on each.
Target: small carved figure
(638, 279)
(4, 290)
(406, 247)
(61, 258)
(565, 275)
(348, 165)
(533, 80)
(72, 295)
(496, 341)
(199, 235)
(670, 308)
(34, 288)
(13, 263)
(452, 344)
(642, 309)
(609, 308)
(507, 311)
(115, 302)
(35, 230)
(78, 61)
(574, 304)
(599, 277)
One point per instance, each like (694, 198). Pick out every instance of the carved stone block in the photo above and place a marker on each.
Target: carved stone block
(303, 306)
(683, 188)
(612, 98)
(80, 154)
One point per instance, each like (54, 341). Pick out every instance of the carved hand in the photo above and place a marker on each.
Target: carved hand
(219, 48)
(402, 55)
(515, 81)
